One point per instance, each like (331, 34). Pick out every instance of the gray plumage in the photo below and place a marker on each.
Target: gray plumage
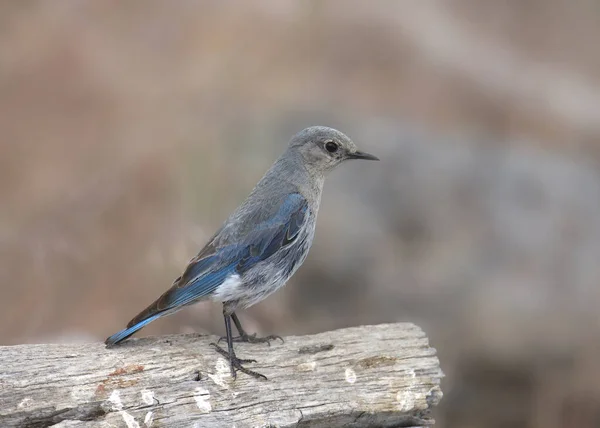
(301, 169)
(265, 240)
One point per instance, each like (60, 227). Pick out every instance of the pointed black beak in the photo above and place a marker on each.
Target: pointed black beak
(362, 155)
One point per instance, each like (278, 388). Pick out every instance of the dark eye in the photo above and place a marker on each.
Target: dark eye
(331, 147)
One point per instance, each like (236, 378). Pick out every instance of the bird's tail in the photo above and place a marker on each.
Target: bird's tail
(157, 309)
(131, 329)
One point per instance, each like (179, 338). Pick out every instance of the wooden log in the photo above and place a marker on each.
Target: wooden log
(371, 376)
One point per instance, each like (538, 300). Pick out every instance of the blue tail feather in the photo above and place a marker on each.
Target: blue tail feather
(124, 334)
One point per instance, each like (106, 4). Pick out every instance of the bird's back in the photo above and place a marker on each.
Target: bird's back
(282, 189)
(286, 176)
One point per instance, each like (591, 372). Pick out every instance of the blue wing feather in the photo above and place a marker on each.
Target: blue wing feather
(275, 234)
(214, 264)
(199, 288)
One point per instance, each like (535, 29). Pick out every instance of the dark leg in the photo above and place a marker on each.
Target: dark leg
(249, 338)
(234, 362)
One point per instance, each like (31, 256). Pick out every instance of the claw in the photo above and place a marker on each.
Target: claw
(236, 364)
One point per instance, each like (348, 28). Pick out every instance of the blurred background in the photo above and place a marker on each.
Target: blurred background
(129, 130)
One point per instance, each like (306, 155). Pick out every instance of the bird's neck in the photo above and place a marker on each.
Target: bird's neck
(292, 169)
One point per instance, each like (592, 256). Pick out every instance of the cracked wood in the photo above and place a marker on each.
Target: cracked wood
(384, 375)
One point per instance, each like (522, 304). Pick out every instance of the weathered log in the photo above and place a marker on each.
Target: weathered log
(372, 376)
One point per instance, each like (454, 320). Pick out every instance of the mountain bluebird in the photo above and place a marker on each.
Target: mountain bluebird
(262, 243)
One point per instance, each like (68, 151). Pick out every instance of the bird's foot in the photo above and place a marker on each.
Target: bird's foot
(251, 338)
(235, 364)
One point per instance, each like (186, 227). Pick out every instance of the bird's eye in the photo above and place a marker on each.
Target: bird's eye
(331, 147)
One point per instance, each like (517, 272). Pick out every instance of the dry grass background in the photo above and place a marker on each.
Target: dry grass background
(130, 130)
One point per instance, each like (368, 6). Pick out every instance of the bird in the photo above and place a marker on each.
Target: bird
(261, 244)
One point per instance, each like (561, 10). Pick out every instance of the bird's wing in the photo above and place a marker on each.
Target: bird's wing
(216, 262)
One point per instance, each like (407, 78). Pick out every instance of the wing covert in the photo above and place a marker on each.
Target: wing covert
(214, 264)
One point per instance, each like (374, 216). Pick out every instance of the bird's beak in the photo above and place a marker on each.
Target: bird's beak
(362, 155)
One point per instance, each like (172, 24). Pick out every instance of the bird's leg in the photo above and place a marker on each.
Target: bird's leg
(235, 363)
(249, 338)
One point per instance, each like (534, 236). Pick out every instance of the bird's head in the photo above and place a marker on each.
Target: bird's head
(323, 148)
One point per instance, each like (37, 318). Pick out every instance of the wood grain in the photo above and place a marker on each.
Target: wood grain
(371, 376)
